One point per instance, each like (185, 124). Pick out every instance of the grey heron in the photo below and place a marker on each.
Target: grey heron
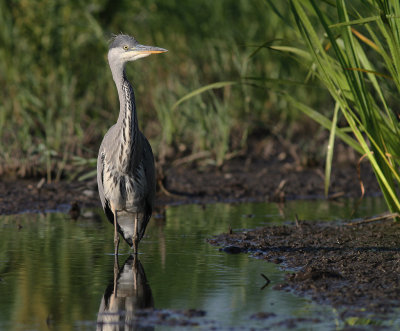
(125, 164)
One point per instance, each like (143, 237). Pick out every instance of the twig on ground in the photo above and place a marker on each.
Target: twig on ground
(382, 217)
(297, 220)
(191, 158)
(165, 191)
(336, 195)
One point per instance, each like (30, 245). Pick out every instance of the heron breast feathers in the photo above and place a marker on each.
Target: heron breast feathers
(125, 192)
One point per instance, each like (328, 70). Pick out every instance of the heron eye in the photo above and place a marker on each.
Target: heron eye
(126, 47)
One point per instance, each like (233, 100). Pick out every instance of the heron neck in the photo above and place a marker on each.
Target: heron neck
(127, 106)
(127, 120)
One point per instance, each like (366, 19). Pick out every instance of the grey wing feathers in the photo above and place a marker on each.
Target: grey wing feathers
(100, 170)
(150, 173)
(100, 160)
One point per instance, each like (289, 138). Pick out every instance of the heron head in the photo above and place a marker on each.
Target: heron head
(124, 48)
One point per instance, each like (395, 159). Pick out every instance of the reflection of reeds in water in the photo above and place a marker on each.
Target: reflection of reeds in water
(126, 294)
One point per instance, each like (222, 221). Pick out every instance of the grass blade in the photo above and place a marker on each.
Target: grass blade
(202, 90)
(329, 153)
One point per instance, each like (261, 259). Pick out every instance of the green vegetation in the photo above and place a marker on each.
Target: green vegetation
(234, 68)
(354, 51)
(58, 97)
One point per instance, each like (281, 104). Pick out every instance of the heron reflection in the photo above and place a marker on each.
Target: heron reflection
(127, 293)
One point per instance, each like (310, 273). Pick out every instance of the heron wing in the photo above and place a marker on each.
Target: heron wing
(100, 171)
(150, 175)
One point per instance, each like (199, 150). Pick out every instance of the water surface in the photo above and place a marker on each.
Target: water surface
(55, 271)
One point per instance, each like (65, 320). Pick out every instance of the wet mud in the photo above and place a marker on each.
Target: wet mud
(354, 266)
(270, 172)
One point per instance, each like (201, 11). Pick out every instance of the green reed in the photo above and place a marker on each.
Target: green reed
(354, 49)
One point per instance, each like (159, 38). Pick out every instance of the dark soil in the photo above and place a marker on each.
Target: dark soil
(355, 266)
(271, 171)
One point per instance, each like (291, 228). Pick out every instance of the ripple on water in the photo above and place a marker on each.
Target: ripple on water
(57, 271)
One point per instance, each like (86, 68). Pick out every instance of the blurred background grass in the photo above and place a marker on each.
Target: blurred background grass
(58, 97)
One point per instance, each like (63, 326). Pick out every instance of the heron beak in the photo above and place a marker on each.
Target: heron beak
(142, 49)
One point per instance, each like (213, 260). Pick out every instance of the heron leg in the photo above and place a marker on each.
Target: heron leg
(116, 235)
(135, 238)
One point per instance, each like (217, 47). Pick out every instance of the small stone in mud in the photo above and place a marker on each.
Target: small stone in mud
(314, 274)
(144, 312)
(277, 260)
(281, 286)
(194, 313)
(292, 323)
(75, 211)
(166, 317)
(262, 315)
(231, 249)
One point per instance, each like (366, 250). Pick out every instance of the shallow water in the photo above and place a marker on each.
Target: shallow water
(55, 271)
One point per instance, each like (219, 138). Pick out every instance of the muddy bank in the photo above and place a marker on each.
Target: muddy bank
(352, 266)
(269, 172)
